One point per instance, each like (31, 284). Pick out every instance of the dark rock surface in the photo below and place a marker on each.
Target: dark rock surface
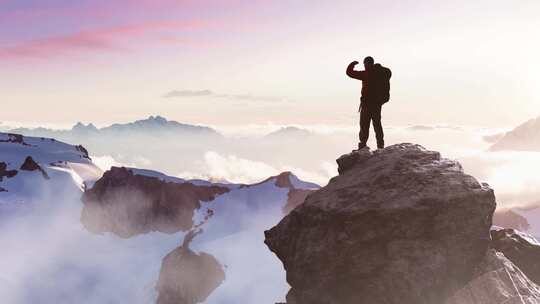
(347, 161)
(4, 172)
(523, 250)
(83, 150)
(14, 138)
(187, 277)
(128, 204)
(496, 280)
(399, 225)
(31, 165)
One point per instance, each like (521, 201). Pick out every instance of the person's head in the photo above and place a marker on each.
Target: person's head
(368, 62)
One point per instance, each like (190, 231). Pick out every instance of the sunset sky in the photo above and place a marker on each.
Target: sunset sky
(255, 62)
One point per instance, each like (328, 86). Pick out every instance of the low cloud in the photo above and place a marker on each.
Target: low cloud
(210, 93)
(248, 97)
(188, 93)
(240, 170)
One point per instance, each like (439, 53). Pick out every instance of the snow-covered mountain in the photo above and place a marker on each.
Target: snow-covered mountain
(523, 218)
(31, 165)
(525, 137)
(153, 125)
(61, 250)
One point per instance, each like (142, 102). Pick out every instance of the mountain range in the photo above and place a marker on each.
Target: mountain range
(130, 219)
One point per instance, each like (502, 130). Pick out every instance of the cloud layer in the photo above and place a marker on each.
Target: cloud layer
(210, 93)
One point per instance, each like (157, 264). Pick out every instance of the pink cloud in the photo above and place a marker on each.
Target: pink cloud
(101, 40)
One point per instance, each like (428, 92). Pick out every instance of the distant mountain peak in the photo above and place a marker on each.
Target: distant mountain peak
(157, 119)
(79, 126)
(288, 132)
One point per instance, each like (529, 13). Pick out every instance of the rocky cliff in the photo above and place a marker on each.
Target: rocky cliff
(496, 280)
(187, 277)
(522, 249)
(129, 204)
(399, 225)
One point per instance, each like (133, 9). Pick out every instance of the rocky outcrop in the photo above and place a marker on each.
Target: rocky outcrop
(4, 172)
(31, 165)
(496, 280)
(128, 204)
(83, 150)
(187, 277)
(14, 138)
(348, 161)
(522, 249)
(398, 225)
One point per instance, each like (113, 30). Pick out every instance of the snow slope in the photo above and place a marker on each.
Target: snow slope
(66, 166)
(49, 257)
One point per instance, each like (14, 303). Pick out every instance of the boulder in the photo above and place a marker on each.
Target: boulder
(398, 225)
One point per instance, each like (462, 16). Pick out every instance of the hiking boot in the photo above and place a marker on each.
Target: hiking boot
(380, 145)
(361, 146)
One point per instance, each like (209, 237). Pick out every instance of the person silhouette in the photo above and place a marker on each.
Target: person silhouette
(375, 92)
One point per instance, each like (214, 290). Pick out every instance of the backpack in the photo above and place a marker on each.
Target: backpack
(383, 82)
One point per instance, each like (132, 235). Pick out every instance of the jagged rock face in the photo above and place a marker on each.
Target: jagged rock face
(497, 280)
(521, 249)
(187, 277)
(399, 225)
(83, 151)
(128, 204)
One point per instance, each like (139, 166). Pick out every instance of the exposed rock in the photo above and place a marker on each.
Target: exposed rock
(507, 218)
(128, 204)
(522, 249)
(13, 138)
(295, 197)
(187, 277)
(31, 165)
(4, 172)
(399, 225)
(83, 151)
(497, 281)
(348, 161)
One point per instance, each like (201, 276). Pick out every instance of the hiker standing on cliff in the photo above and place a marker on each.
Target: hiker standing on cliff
(375, 92)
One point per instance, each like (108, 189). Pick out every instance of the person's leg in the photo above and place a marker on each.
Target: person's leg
(364, 126)
(377, 125)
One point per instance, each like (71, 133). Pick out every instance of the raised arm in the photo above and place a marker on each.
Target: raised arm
(360, 75)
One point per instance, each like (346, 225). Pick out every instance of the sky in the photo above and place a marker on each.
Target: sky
(235, 62)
